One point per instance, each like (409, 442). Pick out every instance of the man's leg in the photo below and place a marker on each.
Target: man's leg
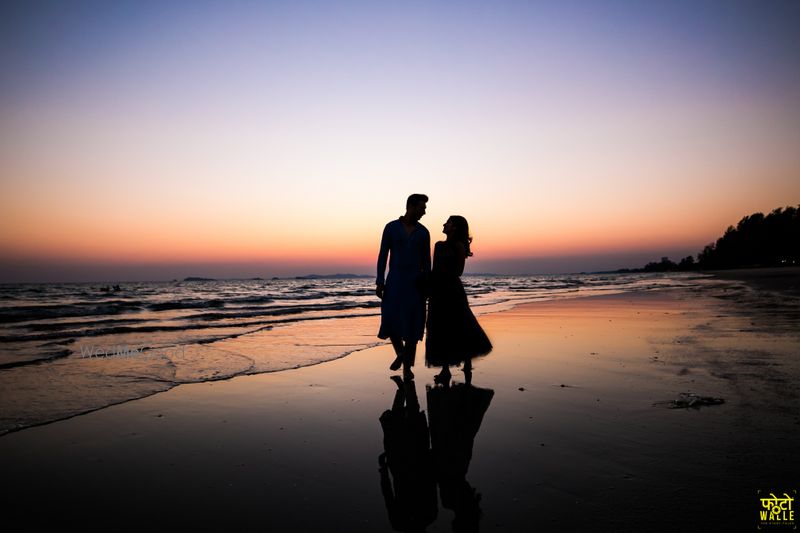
(399, 349)
(399, 396)
(409, 355)
(412, 402)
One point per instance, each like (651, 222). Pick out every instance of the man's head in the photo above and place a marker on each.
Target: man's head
(415, 206)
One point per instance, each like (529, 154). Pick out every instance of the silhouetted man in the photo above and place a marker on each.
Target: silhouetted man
(407, 244)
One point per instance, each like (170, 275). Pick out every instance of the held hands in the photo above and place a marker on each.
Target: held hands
(379, 290)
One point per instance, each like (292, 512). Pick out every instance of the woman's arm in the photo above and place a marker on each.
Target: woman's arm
(461, 257)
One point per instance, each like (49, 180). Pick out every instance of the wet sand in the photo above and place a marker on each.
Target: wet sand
(785, 280)
(578, 434)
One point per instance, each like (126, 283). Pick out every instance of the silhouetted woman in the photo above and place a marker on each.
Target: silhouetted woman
(453, 333)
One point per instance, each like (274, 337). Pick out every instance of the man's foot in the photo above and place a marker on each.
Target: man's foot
(408, 374)
(397, 363)
(397, 381)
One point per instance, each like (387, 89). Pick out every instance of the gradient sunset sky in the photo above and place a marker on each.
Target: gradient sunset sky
(158, 140)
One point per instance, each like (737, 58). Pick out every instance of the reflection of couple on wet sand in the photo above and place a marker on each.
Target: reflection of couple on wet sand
(454, 335)
(417, 458)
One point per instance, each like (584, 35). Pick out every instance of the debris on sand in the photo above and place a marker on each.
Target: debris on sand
(686, 400)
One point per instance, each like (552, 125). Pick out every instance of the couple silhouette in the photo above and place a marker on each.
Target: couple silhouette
(453, 333)
(417, 457)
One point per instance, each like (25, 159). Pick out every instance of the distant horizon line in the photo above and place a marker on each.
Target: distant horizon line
(309, 277)
(17, 271)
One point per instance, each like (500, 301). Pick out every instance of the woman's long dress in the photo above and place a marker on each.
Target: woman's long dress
(454, 334)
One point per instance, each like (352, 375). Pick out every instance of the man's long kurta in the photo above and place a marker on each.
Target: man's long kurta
(403, 304)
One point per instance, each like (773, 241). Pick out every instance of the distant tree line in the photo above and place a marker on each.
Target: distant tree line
(756, 241)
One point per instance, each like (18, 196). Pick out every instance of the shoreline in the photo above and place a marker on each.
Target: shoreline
(781, 280)
(243, 354)
(572, 426)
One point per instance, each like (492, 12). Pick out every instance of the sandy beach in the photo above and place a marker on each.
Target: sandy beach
(579, 434)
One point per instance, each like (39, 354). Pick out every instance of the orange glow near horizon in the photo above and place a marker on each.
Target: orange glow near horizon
(91, 235)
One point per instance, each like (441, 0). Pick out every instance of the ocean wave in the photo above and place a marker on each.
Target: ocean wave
(56, 326)
(185, 304)
(51, 311)
(184, 326)
(278, 311)
(43, 356)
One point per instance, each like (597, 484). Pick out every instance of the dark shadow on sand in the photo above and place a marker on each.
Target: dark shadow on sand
(417, 456)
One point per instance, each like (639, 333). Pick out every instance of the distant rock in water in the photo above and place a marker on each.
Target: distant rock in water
(333, 276)
(198, 279)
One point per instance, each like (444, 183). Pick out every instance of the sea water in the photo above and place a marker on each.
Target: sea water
(70, 348)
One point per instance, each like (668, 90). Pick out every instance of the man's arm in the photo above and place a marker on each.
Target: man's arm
(383, 254)
(426, 254)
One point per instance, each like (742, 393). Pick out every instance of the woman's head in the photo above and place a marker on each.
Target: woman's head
(457, 229)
